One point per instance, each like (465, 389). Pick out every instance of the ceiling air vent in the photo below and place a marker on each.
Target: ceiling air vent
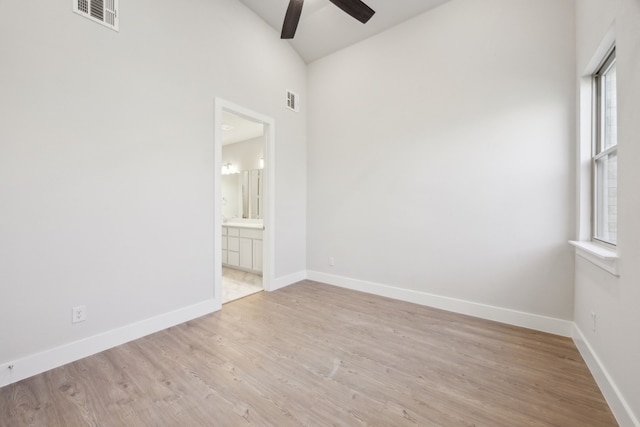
(103, 11)
(292, 101)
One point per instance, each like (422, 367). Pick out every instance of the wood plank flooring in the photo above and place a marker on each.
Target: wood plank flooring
(316, 355)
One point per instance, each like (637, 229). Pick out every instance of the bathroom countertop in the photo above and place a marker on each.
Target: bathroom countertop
(243, 225)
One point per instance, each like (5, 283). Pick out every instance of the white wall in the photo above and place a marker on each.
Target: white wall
(106, 160)
(244, 155)
(440, 156)
(616, 341)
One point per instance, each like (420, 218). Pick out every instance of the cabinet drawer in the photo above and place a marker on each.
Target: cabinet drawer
(224, 242)
(251, 234)
(233, 231)
(224, 257)
(224, 231)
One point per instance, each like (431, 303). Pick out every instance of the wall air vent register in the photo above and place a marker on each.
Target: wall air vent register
(292, 101)
(104, 12)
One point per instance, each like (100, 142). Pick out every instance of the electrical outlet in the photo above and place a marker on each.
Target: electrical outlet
(79, 314)
(332, 261)
(593, 321)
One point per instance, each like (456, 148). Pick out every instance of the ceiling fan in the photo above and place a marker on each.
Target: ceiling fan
(355, 8)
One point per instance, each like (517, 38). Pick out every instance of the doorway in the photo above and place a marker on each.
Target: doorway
(243, 229)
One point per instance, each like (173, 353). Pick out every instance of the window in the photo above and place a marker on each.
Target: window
(605, 153)
(102, 11)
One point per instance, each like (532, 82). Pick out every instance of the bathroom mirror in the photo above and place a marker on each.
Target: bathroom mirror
(242, 195)
(255, 194)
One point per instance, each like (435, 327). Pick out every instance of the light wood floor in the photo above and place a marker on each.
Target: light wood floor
(316, 355)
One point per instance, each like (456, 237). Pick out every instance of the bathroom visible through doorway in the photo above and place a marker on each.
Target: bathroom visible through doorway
(243, 235)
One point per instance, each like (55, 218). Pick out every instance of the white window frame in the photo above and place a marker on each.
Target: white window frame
(603, 255)
(599, 151)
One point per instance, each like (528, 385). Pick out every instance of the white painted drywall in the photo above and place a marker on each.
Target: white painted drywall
(440, 156)
(244, 155)
(106, 160)
(614, 300)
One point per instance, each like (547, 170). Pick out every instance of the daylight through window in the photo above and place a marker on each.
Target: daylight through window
(605, 153)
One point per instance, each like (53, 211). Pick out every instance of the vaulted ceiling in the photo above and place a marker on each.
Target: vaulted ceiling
(325, 29)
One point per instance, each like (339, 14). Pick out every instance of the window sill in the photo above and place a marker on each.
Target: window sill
(605, 258)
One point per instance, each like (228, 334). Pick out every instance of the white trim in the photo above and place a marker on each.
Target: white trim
(499, 314)
(604, 258)
(619, 406)
(605, 47)
(290, 279)
(269, 189)
(585, 129)
(67, 353)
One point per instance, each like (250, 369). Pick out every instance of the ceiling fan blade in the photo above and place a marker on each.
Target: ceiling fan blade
(291, 19)
(355, 8)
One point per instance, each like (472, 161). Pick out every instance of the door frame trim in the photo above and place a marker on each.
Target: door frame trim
(268, 258)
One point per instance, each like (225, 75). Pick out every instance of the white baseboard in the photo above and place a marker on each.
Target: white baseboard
(53, 358)
(58, 356)
(499, 314)
(619, 406)
(290, 279)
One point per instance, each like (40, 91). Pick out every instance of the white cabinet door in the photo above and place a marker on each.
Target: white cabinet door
(242, 247)
(233, 247)
(233, 244)
(233, 258)
(257, 255)
(251, 234)
(246, 253)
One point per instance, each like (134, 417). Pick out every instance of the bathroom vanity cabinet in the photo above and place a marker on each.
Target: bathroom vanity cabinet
(242, 248)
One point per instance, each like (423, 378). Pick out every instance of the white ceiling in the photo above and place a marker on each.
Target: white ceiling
(324, 28)
(236, 129)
